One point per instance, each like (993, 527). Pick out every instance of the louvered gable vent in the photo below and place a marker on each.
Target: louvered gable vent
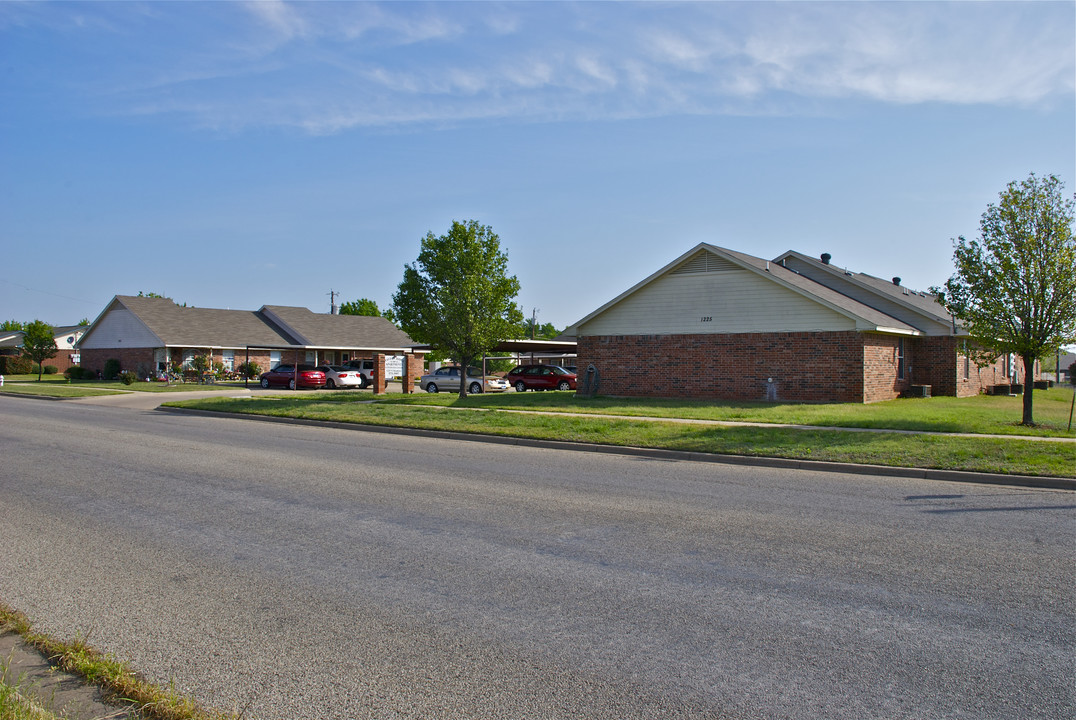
(703, 262)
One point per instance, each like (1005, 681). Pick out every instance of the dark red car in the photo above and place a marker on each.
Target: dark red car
(285, 376)
(541, 377)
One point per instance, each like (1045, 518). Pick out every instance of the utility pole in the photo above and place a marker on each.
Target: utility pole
(332, 301)
(534, 321)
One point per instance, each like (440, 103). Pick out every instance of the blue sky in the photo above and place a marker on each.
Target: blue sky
(231, 154)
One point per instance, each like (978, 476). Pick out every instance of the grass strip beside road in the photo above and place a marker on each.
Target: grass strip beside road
(54, 390)
(982, 414)
(991, 455)
(114, 677)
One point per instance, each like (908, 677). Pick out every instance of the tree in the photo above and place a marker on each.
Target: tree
(1015, 286)
(539, 331)
(362, 306)
(11, 325)
(39, 344)
(458, 295)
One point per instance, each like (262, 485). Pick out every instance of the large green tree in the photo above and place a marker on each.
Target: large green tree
(1015, 286)
(11, 325)
(458, 295)
(39, 344)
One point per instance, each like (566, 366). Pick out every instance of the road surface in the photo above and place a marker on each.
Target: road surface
(298, 572)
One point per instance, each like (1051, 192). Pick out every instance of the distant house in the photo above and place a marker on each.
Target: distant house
(150, 335)
(66, 337)
(716, 323)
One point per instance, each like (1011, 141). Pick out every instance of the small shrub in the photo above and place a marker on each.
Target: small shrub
(51, 369)
(15, 365)
(128, 377)
(75, 372)
(250, 369)
(112, 369)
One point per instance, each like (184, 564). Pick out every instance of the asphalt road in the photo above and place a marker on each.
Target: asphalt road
(300, 572)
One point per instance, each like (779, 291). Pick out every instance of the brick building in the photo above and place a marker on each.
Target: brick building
(716, 323)
(150, 335)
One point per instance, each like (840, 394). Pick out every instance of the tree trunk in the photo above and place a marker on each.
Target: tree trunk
(1029, 386)
(465, 362)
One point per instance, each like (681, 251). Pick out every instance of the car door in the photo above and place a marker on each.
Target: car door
(281, 374)
(533, 378)
(447, 378)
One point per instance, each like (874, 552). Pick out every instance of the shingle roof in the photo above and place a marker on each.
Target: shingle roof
(923, 303)
(11, 339)
(271, 326)
(179, 326)
(865, 316)
(339, 331)
(828, 296)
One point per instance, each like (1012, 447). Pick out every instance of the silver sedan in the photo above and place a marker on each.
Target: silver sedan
(448, 379)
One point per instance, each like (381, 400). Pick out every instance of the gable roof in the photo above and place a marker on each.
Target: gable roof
(273, 326)
(11, 338)
(337, 331)
(178, 326)
(916, 304)
(864, 316)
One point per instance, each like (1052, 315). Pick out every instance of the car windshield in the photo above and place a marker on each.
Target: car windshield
(560, 371)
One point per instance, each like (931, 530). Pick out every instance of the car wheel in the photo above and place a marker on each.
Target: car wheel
(563, 385)
(362, 383)
(474, 389)
(431, 388)
(265, 383)
(291, 384)
(520, 387)
(330, 384)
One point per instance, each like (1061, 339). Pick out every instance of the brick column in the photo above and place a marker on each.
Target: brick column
(411, 364)
(380, 385)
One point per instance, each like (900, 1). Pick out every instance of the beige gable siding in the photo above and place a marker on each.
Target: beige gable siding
(120, 328)
(736, 301)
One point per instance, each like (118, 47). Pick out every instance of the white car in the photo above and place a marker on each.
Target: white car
(448, 378)
(338, 376)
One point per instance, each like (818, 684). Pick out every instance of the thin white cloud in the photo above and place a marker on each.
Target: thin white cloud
(324, 67)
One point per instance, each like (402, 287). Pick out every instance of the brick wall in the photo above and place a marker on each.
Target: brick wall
(881, 366)
(142, 360)
(794, 367)
(139, 360)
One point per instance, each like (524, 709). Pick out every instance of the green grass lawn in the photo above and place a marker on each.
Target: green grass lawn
(1016, 456)
(983, 414)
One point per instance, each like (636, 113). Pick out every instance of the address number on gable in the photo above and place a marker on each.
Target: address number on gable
(707, 319)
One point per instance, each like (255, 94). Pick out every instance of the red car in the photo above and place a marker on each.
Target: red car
(285, 376)
(541, 377)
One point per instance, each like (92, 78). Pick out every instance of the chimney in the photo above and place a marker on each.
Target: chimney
(826, 257)
(896, 281)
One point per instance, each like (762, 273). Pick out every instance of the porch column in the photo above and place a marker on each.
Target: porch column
(380, 385)
(410, 367)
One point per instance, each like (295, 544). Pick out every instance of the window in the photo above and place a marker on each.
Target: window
(900, 359)
(274, 358)
(228, 358)
(967, 362)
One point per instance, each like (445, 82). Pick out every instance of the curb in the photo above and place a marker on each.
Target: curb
(1026, 481)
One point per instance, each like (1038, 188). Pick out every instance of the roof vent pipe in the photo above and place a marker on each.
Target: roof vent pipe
(896, 281)
(826, 257)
